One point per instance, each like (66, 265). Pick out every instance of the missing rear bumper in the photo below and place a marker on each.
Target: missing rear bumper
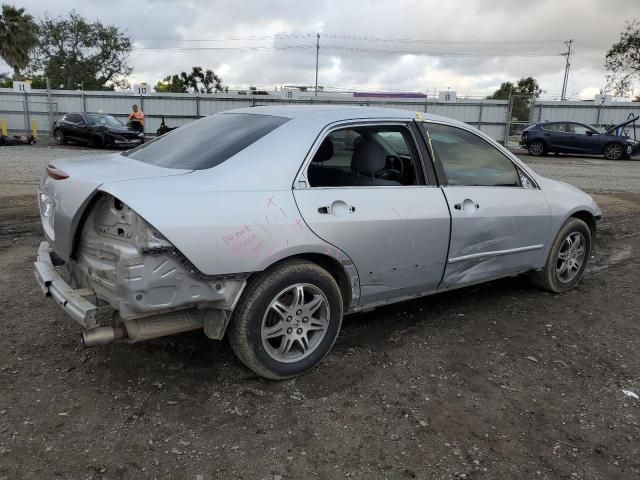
(73, 301)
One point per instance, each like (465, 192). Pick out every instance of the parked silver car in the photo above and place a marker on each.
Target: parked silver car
(268, 224)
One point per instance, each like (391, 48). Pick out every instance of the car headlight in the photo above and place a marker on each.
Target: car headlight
(47, 213)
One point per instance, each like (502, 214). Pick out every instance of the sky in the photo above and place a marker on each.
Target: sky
(467, 46)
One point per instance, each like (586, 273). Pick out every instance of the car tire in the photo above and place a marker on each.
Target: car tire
(537, 148)
(614, 151)
(58, 136)
(282, 307)
(567, 258)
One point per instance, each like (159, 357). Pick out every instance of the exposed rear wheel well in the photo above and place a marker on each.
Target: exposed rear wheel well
(331, 265)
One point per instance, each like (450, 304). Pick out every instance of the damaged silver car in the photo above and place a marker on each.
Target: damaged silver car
(268, 224)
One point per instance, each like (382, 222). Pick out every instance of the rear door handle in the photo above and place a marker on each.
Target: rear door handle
(337, 208)
(467, 205)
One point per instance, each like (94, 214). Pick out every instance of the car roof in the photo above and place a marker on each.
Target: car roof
(336, 113)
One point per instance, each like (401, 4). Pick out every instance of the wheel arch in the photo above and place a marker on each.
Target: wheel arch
(588, 218)
(349, 288)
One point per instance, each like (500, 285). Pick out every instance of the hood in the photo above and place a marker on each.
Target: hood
(85, 175)
(626, 122)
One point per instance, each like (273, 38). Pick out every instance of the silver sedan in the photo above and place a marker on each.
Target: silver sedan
(269, 224)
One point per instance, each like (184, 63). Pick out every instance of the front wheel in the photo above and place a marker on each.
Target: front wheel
(536, 148)
(287, 321)
(613, 151)
(567, 258)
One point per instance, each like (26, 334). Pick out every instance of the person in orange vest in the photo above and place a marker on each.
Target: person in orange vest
(136, 118)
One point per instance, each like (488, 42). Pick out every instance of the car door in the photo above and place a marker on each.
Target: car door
(554, 135)
(500, 219)
(581, 141)
(75, 127)
(392, 223)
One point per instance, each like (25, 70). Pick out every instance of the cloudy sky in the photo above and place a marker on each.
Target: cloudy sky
(400, 45)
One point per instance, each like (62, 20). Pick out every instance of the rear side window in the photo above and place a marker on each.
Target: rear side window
(207, 142)
(73, 118)
(470, 160)
(554, 127)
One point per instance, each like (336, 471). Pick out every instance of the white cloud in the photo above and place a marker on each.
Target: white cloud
(348, 62)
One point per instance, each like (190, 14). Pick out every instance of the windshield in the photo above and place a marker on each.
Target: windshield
(207, 142)
(100, 119)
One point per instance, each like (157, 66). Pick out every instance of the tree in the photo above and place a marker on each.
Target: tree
(74, 52)
(623, 60)
(522, 93)
(18, 37)
(37, 81)
(198, 80)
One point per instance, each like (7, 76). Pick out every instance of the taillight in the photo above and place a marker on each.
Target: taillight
(56, 173)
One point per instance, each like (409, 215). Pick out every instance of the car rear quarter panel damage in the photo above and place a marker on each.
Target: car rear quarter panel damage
(224, 233)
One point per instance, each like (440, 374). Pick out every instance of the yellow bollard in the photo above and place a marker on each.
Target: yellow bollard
(34, 128)
(3, 127)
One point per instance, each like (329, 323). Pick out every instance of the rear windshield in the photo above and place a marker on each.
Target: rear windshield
(207, 142)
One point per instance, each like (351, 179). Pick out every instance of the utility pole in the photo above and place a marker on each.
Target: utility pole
(317, 54)
(567, 67)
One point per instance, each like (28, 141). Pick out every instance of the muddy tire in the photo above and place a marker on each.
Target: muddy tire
(287, 320)
(567, 258)
(614, 151)
(537, 148)
(58, 136)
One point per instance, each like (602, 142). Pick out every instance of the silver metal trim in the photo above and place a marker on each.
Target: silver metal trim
(497, 253)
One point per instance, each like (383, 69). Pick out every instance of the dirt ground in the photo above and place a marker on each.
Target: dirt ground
(500, 381)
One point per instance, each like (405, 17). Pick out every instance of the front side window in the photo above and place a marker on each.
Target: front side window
(469, 160)
(578, 129)
(104, 120)
(207, 142)
(363, 156)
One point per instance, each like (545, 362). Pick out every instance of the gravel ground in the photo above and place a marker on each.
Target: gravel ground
(499, 381)
(591, 174)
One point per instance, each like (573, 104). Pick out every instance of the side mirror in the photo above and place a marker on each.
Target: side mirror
(590, 133)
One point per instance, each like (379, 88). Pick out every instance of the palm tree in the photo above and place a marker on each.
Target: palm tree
(18, 36)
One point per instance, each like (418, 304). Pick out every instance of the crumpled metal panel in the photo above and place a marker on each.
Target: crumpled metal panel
(111, 260)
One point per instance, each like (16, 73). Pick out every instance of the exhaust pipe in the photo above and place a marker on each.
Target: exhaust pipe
(145, 328)
(101, 335)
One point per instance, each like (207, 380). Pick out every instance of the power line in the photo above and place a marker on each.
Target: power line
(443, 54)
(353, 49)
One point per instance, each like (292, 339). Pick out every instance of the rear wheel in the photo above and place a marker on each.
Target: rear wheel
(536, 148)
(567, 259)
(613, 151)
(287, 321)
(58, 136)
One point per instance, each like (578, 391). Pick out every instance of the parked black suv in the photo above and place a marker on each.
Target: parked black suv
(96, 129)
(577, 138)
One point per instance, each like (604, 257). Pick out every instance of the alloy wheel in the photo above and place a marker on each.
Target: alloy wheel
(613, 151)
(295, 323)
(536, 148)
(571, 257)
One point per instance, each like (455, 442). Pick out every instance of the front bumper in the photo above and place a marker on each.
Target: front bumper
(73, 301)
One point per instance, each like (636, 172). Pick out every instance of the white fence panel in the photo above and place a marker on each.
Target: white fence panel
(179, 108)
